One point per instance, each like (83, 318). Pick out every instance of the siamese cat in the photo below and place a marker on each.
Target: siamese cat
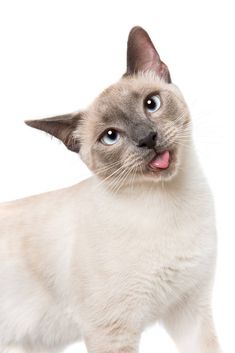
(132, 245)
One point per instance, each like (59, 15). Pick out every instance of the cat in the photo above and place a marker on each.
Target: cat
(132, 245)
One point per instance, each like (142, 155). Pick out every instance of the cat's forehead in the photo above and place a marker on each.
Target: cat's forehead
(129, 90)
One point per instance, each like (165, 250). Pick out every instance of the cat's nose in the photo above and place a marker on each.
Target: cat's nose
(149, 141)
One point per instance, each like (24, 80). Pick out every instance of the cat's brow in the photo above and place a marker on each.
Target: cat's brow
(114, 116)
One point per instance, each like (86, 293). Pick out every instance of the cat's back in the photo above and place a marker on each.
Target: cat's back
(40, 208)
(37, 228)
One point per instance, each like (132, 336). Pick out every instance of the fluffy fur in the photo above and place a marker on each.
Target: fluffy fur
(103, 259)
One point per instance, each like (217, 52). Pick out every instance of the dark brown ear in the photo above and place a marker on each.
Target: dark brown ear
(142, 55)
(61, 127)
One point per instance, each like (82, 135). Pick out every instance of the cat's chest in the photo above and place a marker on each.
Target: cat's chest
(155, 226)
(150, 253)
(150, 237)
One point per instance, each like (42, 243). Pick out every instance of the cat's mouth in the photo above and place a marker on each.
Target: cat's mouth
(163, 164)
(160, 161)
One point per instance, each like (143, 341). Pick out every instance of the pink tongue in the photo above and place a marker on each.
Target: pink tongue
(160, 161)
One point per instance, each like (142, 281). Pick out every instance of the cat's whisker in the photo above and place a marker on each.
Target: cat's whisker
(132, 170)
(170, 126)
(131, 182)
(110, 175)
(120, 171)
(186, 128)
(113, 182)
(187, 147)
(116, 182)
(134, 176)
(109, 164)
(199, 138)
(107, 167)
(122, 178)
(172, 130)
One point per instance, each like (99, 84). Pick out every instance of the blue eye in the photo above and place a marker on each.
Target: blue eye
(152, 103)
(110, 137)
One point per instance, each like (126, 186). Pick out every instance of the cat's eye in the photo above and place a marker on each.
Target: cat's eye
(110, 137)
(152, 103)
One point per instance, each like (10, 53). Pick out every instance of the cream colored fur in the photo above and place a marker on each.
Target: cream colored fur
(99, 263)
(82, 262)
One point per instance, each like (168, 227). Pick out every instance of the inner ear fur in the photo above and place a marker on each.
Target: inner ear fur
(61, 127)
(142, 55)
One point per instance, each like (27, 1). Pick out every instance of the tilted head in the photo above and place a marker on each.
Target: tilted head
(134, 129)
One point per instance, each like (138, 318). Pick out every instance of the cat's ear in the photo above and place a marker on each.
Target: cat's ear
(62, 127)
(142, 55)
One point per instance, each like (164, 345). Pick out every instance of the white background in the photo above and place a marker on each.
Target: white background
(56, 56)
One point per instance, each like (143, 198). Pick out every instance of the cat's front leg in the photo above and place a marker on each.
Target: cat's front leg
(112, 339)
(191, 327)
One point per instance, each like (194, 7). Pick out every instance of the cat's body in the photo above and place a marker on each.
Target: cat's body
(99, 264)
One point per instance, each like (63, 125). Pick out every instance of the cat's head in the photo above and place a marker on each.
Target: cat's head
(135, 130)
